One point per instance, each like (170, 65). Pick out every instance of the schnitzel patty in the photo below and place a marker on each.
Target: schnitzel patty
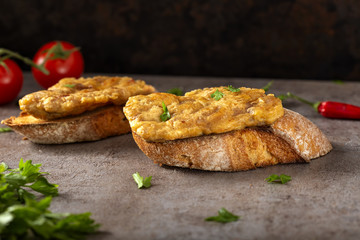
(72, 96)
(199, 113)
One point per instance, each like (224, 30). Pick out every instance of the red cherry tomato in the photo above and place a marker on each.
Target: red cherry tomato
(11, 81)
(69, 62)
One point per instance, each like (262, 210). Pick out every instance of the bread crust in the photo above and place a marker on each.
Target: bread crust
(245, 149)
(90, 126)
(303, 136)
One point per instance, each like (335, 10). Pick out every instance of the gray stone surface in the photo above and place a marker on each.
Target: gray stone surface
(321, 202)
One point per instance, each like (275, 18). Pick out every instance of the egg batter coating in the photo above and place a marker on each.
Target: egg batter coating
(200, 113)
(72, 96)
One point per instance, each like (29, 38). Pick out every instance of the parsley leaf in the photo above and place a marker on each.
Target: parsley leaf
(338, 81)
(28, 175)
(176, 91)
(5, 130)
(224, 216)
(141, 182)
(69, 85)
(232, 89)
(217, 95)
(165, 115)
(282, 179)
(267, 86)
(22, 216)
(34, 218)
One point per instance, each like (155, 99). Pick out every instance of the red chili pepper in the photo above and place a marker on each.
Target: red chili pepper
(329, 109)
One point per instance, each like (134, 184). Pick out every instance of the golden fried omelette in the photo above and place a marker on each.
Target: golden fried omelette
(200, 113)
(72, 96)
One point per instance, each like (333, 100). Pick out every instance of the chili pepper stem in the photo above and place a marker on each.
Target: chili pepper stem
(314, 105)
(26, 60)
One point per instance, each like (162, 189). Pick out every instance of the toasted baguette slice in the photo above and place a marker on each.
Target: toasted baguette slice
(90, 126)
(291, 139)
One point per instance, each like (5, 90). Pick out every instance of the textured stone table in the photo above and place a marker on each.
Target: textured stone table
(321, 202)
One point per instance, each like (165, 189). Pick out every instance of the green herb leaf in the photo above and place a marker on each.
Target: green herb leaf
(267, 86)
(165, 115)
(224, 216)
(232, 89)
(141, 182)
(338, 81)
(41, 185)
(22, 221)
(217, 95)
(70, 85)
(176, 91)
(282, 179)
(5, 130)
(22, 216)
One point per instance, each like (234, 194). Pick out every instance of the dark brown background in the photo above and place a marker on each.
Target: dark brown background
(307, 39)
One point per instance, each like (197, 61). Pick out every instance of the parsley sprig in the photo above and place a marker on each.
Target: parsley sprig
(282, 179)
(224, 216)
(176, 91)
(232, 89)
(22, 216)
(69, 85)
(165, 115)
(5, 130)
(141, 182)
(217, 95)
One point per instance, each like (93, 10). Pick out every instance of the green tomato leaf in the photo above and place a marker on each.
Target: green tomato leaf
(282, 179)
(217, 95)
(224, 216)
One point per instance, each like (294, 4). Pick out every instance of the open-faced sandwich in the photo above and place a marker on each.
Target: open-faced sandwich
(222, 129)
(76, 110)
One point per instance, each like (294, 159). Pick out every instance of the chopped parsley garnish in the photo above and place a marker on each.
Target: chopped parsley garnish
(217, 95)
(5, 130)
(282, 179)
(23, 216)
(232, 89)
(165, 115)
(141, 182)
(267, 86)
(70, 85)
(224, 216)
(176, 91)
(338, 81)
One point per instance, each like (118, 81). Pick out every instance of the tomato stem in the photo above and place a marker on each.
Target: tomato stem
(58, 52)
(9, 53)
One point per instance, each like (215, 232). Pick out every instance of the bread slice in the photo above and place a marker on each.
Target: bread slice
(90, 126)
(291, 139)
